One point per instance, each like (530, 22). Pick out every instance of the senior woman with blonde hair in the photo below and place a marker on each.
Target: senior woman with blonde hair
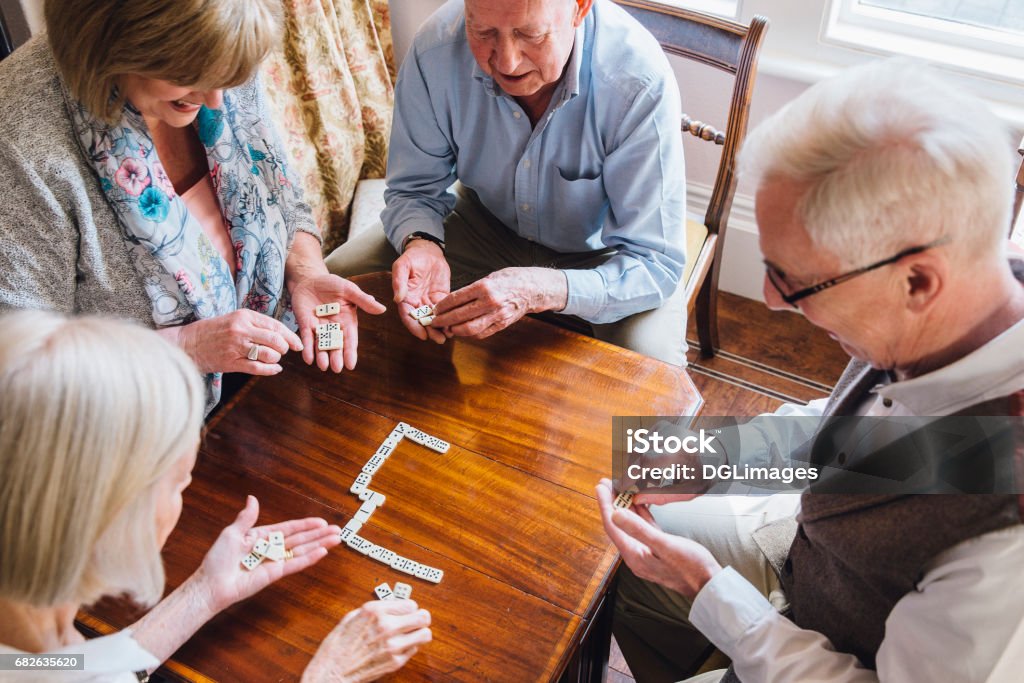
(99, 427)
(143, 179)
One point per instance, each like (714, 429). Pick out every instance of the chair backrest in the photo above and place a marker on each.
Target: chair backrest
(1019, 197)
(733, 48)
(726, 45)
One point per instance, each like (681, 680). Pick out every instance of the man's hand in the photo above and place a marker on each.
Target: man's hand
(420, 276)
(311, 291)
(673, 562)
(223, 580)
(500, 299)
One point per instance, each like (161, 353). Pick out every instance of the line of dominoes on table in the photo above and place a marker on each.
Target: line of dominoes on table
(373, 500)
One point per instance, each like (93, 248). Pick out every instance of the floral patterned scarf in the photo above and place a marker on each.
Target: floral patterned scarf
(184, 274)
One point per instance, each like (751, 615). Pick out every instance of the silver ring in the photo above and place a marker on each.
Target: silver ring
(254, 352)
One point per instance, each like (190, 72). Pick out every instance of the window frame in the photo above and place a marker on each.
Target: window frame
(974, 50)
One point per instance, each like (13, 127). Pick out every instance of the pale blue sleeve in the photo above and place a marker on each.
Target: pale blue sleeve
(644, 180)
(421, 159)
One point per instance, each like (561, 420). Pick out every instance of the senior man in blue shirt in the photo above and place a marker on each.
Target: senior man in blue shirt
(560, 121)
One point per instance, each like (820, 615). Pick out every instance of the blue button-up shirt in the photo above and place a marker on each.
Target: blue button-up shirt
(602, 168)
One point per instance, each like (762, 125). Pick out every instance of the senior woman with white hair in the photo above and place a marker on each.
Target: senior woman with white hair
(99, 427)
(143, 179)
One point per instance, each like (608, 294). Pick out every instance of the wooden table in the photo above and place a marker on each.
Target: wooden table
(508, 513)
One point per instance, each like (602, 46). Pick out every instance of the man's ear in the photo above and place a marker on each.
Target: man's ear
(582, 9)
(926, 277)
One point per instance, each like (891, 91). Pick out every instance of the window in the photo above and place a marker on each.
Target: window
(1000, 15)
(984, 37)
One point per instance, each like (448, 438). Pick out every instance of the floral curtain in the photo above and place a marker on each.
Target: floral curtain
(331, 90)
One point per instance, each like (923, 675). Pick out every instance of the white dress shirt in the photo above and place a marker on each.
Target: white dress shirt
(111, 659)
(958, 623)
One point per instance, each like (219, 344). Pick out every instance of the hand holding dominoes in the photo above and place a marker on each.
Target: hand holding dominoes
(491, 304)
(313, 299)
(675, 562)
(370, 641)
(420, 277)
(222, 580)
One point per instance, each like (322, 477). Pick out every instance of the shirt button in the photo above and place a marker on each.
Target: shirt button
(887, 402)
(527, 164)
(524, 207)
(516, 115)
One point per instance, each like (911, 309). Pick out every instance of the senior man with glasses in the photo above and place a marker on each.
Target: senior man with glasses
(882, 219)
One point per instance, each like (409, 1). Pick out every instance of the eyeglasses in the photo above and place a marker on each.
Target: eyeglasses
(778, 279)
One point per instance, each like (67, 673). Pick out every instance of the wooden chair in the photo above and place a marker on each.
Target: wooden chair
(731, 47)
(1019, 197)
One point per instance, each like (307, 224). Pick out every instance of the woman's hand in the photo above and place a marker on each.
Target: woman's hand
(310, 285)
(222, 344)
(324, 288)
(370, 641)
(223, 580)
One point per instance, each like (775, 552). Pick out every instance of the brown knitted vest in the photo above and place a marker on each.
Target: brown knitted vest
(855, 556)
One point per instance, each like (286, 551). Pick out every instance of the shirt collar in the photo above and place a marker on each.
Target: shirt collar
(991, 371)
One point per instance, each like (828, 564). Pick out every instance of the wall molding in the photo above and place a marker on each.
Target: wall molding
(742, 268)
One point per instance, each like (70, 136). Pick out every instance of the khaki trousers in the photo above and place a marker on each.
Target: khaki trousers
(651, 622)
(477, 244)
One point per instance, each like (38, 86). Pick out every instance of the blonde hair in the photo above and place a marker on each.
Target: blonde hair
(93, 412)
(202, 44)
(892, 157)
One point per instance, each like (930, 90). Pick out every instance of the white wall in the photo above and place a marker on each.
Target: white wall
(33, 14)
(23, 17)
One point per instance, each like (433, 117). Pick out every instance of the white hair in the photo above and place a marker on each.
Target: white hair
(892, 157)
(93, 412)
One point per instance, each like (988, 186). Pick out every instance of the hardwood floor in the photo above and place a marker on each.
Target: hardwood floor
(767, 358)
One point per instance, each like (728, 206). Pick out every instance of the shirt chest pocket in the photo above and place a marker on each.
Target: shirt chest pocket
(577, 202)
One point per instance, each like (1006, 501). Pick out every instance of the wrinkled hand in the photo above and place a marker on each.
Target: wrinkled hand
(671, 561)
(420, 276)
(222, 578)
(500, 299)
(222, 344)
(373, 640)
(312, 291)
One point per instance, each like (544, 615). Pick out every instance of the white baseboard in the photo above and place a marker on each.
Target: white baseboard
(742, 268)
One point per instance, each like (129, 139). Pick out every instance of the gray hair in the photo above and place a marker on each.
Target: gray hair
(892, 156)
(93, 412)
